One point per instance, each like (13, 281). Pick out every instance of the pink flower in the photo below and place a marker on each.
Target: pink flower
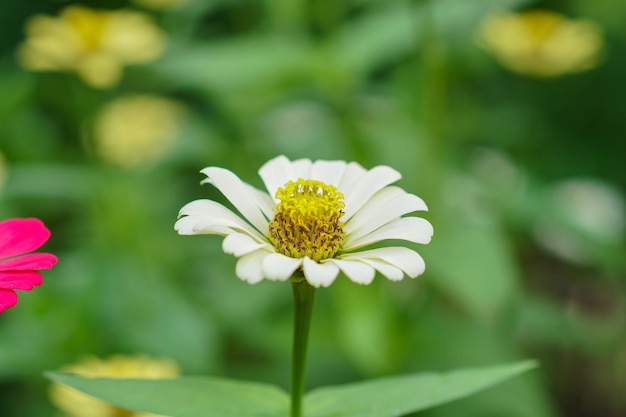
(18, 268)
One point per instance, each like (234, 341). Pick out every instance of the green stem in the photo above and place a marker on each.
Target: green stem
(303, 295)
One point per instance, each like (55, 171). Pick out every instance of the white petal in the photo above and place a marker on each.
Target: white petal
(279, 267)
(265, 202)
(210, 217)
(351, 176)
(404, 258)
(389, 271)
(237, 192)
(275, 173)
(386, 205)
(208, 208)
(329, 172)
(366, 186)
(193, 225)
(356, 270)
(249, 267)
(319, 275)
(239, 244)
(412, 229)
(301, 169)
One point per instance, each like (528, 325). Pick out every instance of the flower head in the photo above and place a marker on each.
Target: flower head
(76, 404)
(18, 268)
(94, 43)
(541, 43)
(136, 129)
(316, 217)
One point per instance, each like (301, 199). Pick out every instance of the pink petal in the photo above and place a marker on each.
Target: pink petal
(20, 280)
(7, 299)
(28, 262)
(18, 236)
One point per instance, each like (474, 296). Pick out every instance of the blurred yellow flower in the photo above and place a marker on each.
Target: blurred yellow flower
(94, 43)
(76, 404)
(541, 43)
(136, 129)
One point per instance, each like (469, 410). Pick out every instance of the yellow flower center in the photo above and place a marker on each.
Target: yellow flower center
(307, 220)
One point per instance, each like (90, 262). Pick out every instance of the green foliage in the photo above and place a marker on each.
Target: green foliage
(201, 396)
(396, 396)
(523, 177)
(184, 397)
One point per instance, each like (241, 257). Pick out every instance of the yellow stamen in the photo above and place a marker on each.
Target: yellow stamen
(307, 220)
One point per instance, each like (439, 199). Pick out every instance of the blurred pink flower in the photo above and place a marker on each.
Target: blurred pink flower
(18, 268)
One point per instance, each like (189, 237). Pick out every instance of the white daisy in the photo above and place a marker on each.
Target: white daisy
(316, 217)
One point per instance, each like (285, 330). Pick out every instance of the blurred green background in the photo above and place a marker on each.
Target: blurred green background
(523, 175)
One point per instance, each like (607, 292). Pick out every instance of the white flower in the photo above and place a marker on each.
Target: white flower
(316, 217)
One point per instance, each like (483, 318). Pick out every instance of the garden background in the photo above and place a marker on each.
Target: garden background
(523, 174)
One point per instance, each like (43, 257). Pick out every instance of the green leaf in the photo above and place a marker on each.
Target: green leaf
(183, 397)
(396, 396)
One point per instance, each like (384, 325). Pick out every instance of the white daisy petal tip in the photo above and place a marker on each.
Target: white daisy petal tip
(391, 272)
(278, 267)
(248, 267)
(357, 271)
(405, 259)
(319, 274)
